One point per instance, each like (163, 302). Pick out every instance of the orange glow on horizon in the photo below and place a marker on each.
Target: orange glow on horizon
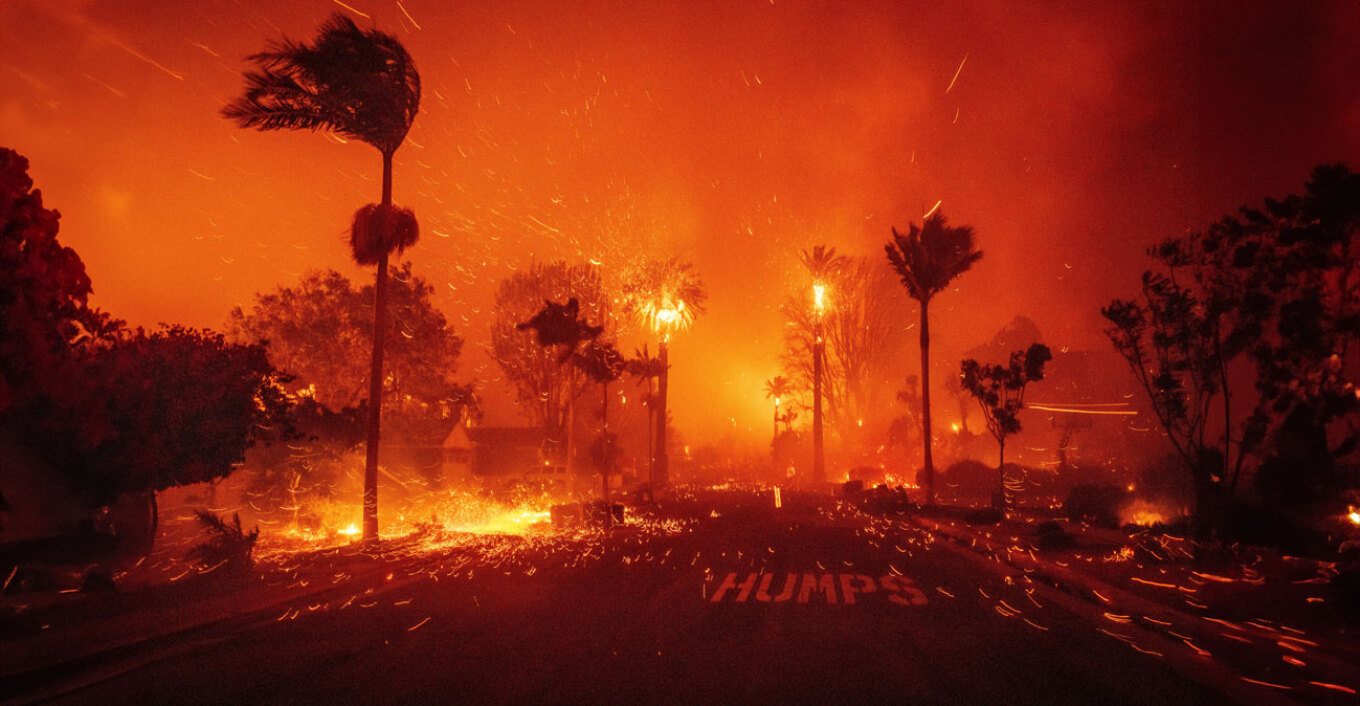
(726, 134)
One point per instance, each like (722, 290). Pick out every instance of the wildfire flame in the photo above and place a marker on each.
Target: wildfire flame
(1143, 514)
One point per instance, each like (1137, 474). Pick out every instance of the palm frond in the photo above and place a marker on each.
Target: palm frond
(822, 262)
(929, 257)
(361, 84)
(665, 295)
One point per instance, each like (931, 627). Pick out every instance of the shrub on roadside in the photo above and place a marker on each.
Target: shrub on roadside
(228, 545)
(984, 516)
(1051, 535)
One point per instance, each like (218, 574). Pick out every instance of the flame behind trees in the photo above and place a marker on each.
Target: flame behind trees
(864, 336)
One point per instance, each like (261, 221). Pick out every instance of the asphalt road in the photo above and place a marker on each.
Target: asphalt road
(644, 616)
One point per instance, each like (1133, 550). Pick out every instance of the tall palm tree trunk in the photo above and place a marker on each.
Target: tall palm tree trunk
(774, 444)
(375, 376)
(925, 402)
(818, 452)
(608, 455)
(570, 461)
(660, 468)
(1001, 477)
(649, 401)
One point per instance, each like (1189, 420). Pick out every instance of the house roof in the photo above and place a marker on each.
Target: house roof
(506, 436)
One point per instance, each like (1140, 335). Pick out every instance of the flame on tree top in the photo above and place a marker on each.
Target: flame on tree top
(665, 296)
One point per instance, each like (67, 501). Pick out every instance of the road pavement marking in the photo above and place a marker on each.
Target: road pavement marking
(832, 588)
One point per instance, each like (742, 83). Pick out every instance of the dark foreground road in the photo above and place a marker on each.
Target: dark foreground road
(644, 617)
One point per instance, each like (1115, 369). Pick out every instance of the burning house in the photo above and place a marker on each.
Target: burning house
(493, 456)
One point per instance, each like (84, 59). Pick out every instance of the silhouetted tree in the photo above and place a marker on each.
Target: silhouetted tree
(1173, 346)
(560, 326)
(906, 426)
(319, 331)
(646, 368)
(544, 388)
(1281, 285)
(364, 85)
(927, 259)
(1000, 390)
(47, 328)
(603, 363)
(181, 406)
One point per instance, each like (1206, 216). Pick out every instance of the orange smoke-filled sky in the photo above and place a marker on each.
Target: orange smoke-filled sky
(731, 133)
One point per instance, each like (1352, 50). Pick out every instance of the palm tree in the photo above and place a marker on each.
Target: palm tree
(604, 364)
(665, 296)
(646, 367)
(928, 259)
(361, 84)
(561, 325)
(776, 388)
(824, 265)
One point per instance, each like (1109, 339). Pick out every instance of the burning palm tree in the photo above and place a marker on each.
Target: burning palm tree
(664, 296)
(824, 265)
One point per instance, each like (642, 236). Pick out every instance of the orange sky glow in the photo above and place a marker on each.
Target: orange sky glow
(730, 133)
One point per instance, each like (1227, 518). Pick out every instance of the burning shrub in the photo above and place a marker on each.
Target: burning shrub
(1096, 504)
(228, 545)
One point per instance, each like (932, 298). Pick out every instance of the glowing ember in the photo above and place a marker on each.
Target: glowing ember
(350, 531)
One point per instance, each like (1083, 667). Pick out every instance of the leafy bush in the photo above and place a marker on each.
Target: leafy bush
(1096, 504)
(1051, 535)
(1269, 525)
(228, 545)
(984, 516)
